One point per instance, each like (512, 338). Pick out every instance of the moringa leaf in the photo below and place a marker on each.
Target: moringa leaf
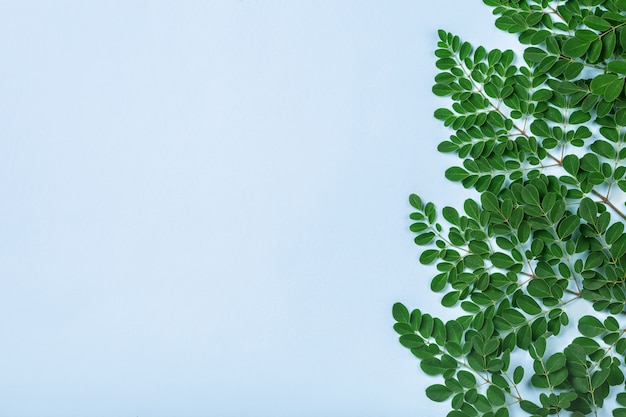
(540, 141)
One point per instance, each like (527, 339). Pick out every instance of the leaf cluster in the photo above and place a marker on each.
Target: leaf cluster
(541, 144)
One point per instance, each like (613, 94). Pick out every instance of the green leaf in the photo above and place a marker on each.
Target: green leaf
(443, 114)
(618, 248)
(456, 174)
(424, 238)
(432, 366)
(445, 63)
(585, 35)
(598, 378)
(490, 202)
(438, 392)
(439, 282)
(400, 313)
(558, 377)
(597, 23)
(533, 19)
(590, 163)
(412, 341)
(513, 316)
(518, 374)
(573, 70)
(594, 51)
(466, 49)
(479, 247)
(604, 148)
(588, 346)
(614, 232)
(603, 108)
(601, 82)
(614, 89)
(578, 117)
(594, 260)
(473, 261)
(533, 54)
(568, 226)
(530, 195)
(450, 299)
(402, 328)
(588, 210)
(415, 201)
(539, 288)
(450, 214)
(479, 54)
(540, 128)
(416, 319)
(466, 379)
(566, 87)
(429, 256)
(426, 325)
(555, 362)
(494, 56)
(495, 395)
(447, 146)
(524, 337)
(590, 326)
(542, 95)
(575, 48)
(529, 407)
(611, 324)
(471, 209)
(528, 304)
(418, 227)
(608, 45)
(501, 260)
(617, 66)
(454, 331)
(540, 346)
(441, 90)
(571, 164)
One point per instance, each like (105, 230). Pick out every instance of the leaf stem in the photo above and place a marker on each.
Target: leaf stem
(609, 203)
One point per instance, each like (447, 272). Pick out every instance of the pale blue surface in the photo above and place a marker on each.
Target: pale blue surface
(204, 204)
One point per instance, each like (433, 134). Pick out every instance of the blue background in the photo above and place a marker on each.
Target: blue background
(204, 203)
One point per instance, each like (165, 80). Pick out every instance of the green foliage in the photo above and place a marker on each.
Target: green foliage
(540, 143)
